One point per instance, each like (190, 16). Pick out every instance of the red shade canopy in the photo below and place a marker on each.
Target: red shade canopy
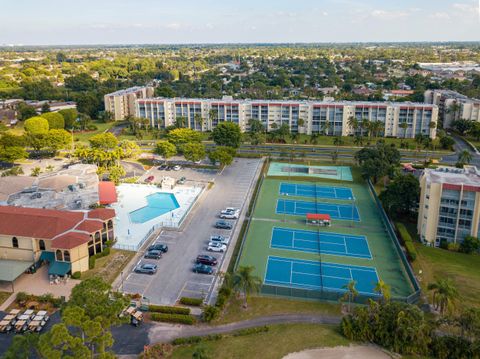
(106, 192)
(318, 216)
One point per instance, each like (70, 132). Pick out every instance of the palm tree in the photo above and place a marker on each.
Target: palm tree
(350, 294)
(358, 141)
(295, 136)
(197, 118)
(454, 109)
(383, 289)
(444, 294)
(404, 127)
(364, 125)
(376, 127)
(326, 127)
(314, 138)
(353, 124)
(245, 282)
(465, 157)
(212, 117)
(432, 125)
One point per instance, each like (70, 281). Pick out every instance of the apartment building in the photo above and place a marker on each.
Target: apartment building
(330, 118)
(449, 205)
(453, 106)
(122, 103)
(65, 239)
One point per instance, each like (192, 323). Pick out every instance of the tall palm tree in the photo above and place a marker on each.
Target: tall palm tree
(358, 141)
(364, 125)
(454, 109)
(326, 127)
(212, 117)
(350, 294)
(197, 118)
(352, 122)
(404, 127)
(383, 289)
(444, 294)
(465, 157)
(245, 282)
(314, 138)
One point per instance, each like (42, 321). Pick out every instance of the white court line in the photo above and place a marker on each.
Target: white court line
(291, 271)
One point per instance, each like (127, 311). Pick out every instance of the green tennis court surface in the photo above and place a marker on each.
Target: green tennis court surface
(341, 173)
(320, 242)
(278, 228)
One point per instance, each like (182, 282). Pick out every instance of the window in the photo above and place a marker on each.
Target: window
(66, 256)
(41, 244)
(58, 255)
(14, 242)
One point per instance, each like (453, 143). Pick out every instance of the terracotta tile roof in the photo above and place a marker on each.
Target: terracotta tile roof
(102, 213)
(37, 222)
(90, 225)
(70, 240)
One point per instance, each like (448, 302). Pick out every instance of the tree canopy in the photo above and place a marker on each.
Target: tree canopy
(401, 195)
(227, 134)
(55, 120)
(194, 151)
(36, 125)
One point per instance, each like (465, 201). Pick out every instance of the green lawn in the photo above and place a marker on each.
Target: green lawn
(85, 135)
(463, 269)
(264, 306)
(4, 296)
(276, 343)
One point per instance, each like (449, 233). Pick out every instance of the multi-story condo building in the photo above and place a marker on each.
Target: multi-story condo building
(65, 239)
(453, 106)
(122, 103)
(330, 118)
(449, 205)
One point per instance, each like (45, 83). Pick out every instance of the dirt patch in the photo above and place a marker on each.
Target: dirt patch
(351, 352)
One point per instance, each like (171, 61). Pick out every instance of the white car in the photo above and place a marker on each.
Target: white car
(177, 168)
(220, 239)
(230, 210)
(231, 215)
(216, 247)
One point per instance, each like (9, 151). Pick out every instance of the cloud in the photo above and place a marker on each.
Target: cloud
(388, 15)
(463, 7)
(173, 26)
(440, 16)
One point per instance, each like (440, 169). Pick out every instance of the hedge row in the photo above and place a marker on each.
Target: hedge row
(249, 331)
(407, 241)
(168, 310)
(173, 318)
(213, 337)
(191, 301)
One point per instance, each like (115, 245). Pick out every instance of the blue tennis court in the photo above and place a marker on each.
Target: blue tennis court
(301, 208)
(312, 190)
(325, 243)
(312, 275)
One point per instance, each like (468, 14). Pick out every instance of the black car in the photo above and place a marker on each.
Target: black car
(153, 254)
(223, 225)
(206, 259)
(162, 167)
(158, 247)
(202, 268)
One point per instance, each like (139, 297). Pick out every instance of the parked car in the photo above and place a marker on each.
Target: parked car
(169, 168)
(232, 215)
(182, 180)
(146, 268)
(206, 259)
(216, 247)
(158, 247)
(177, 168)
(153, 254)
(149, 179)
(162, 167)
(202, 268)
(230, 210)
(223, 225)
(220, 239)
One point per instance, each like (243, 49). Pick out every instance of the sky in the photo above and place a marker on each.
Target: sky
(55, 22)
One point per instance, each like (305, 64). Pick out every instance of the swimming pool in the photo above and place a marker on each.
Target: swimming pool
(158, 203)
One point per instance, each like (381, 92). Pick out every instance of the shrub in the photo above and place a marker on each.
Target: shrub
(444, 244)
(454, 247)
(168, 310)
(22, 297)
(187, 340)
(191, 301)
(173, 318)
(91, 262)
(469, 245)
(76, 275)
(210, 313)
(407, 241)
(249, 331)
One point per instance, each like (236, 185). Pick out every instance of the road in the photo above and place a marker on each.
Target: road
(461, 145)
(174, 277)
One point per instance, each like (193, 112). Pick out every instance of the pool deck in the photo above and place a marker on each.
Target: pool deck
(132, 197)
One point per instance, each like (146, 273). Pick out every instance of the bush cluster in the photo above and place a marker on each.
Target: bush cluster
(249, 331)
(173, 318)
(76, 275)
(168, 310)
(197, 339)
(191, 301)
(407, 241)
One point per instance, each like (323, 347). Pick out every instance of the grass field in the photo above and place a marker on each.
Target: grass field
(4, 296)
(276, 343)
(385, 256)
(263, 306)
(84, 136)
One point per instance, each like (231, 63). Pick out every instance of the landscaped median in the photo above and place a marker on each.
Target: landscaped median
(169, 314)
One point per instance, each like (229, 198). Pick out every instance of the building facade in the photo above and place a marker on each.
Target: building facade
(449, 208)
(309, 117)
(453, 106)
(65, 239)
(122, 103)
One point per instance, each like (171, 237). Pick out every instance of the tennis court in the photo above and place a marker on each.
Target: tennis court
(313, 275)
(312, 190)
(301, 208)
(320, 242)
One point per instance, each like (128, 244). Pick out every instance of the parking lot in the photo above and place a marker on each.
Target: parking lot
(174, 277)
(192, 174)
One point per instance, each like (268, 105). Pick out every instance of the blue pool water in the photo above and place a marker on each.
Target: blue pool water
(158, 203)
